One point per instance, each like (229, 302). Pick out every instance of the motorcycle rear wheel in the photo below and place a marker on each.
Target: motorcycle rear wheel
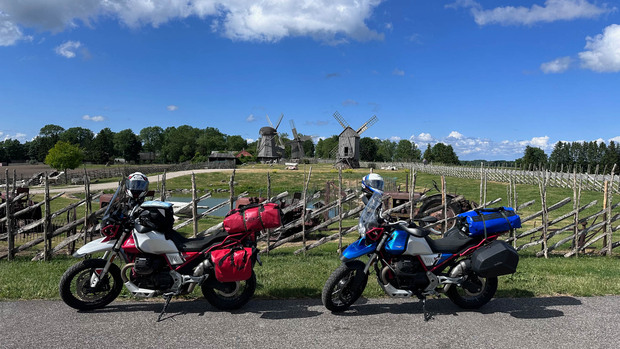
(75, 289)
(344, 286)
(228, 295)
(474, 295)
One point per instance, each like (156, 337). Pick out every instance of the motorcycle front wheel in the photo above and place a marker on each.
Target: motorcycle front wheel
(229, 295)
(474, 292)
(344, 286)
(75, 285)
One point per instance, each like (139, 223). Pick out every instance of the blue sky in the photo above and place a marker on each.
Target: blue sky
(487, 77)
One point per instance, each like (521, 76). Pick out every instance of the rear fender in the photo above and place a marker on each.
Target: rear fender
(95, 246)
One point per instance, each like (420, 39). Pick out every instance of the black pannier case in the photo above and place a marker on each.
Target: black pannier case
(497, 258)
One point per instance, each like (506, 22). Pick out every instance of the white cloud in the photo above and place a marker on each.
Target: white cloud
(395, 138)
(540, 142)
(326, 20)
(558, 65)
(551, 11)
(615, 139)
(9, 32)
(455, 134)
(250, 140)
(67, 49)
(424, 137)
(603, 51)
(398, 72)
(349, 102)
(172, 107)
(250, 118)
(97, 118)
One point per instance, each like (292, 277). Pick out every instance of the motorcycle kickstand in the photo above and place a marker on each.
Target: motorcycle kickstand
(167, 297)
(427, 315)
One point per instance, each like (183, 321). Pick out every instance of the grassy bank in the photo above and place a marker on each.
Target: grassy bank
(286, 276)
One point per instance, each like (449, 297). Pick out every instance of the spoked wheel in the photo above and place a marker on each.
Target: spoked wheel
(453, 209)
(76, 290)
(344, 286)
(229, 295)
(474, 292)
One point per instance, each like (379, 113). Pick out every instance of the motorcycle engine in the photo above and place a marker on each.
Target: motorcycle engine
(152, 273)
(409, 273)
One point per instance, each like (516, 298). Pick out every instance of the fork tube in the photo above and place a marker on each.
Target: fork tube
(109, 255)
(374, 256)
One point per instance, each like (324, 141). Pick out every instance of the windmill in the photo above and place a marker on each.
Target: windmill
(349, 142)
(269, 147)
(297, 143)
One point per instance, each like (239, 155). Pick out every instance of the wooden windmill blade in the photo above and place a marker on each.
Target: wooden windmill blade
(268, 120)
(279, 121)
(341, 120)
(373, 120)
(295, 135)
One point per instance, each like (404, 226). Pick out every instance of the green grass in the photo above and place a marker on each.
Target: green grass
(284, 275)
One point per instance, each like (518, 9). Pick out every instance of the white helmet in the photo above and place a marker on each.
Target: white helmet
(137, 185)
(372, 183)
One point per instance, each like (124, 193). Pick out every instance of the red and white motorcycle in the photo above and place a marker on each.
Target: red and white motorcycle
(160, 261)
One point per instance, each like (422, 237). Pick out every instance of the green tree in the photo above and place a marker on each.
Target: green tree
(47, 138)
(11, 150)
(534, 157)
(180, 143)
(308, 145)
(127, 145)
(152, 138)
(63, 156)
(327, 148)
(444, 154)
(428, 153)
(368, 149)
(102, 147)
(406, 151)
(385, 150)
(236, 143)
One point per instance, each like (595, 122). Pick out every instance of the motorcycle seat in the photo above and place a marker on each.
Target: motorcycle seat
(452, 242)
(194, 244)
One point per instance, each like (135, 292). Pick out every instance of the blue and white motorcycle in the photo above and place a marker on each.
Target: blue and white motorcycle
(464, 264)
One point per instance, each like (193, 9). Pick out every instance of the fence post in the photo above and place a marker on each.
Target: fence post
(444, 203)
(542, 185)
(162, 194)
(609, 204)
(268, 198)
(232, 189)
(339, 210)
(411, 192)
(88, 205)
(47, 243)
(194, 206)
(9, 220)
(303, 210)
(576, 204)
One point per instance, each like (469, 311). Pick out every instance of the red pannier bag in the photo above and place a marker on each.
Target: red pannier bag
(253, 218)
(232, 264)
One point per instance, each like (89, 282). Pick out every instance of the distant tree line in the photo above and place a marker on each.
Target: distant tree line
(584, 156)
(187, 143)
(385, 150)
(170, 145)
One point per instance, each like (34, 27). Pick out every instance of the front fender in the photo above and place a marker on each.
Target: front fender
(358, 249)
(95, 246)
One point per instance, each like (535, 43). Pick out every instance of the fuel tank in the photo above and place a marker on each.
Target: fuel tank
(154, 242)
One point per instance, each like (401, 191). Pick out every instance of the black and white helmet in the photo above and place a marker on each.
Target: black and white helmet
(372, 183)
(137, 185)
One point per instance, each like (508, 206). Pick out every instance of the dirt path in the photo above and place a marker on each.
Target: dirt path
(112, 185)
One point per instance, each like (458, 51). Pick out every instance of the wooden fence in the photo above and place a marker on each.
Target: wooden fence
(571, 233)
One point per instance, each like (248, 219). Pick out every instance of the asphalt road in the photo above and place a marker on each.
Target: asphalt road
(553, 322)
